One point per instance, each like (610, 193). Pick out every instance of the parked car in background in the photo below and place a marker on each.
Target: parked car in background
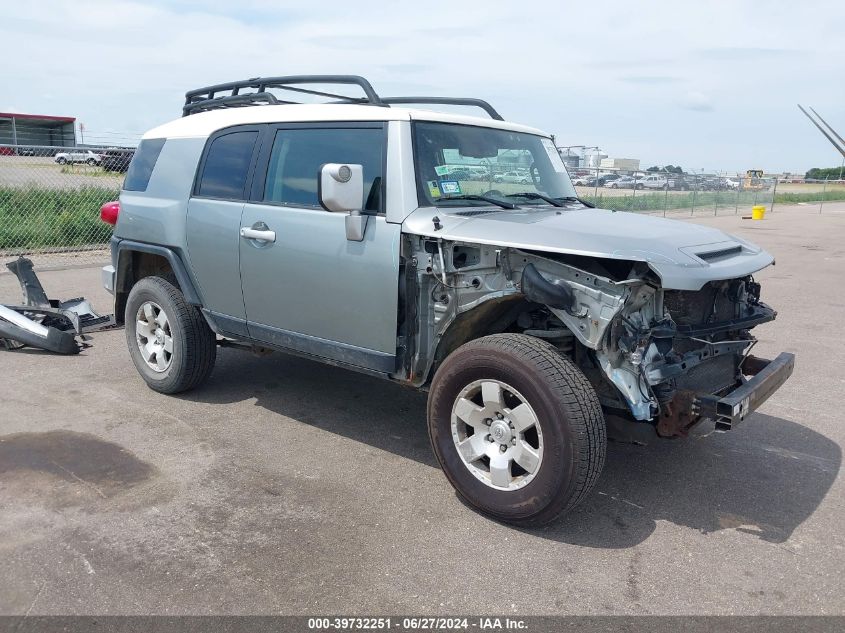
(730, 183)
(653, 181)
(479, 173)
(513, 177)
(581, 181)
(678, 182)
(606, 178)
(116, 159)
(624, 182)
(88, 157)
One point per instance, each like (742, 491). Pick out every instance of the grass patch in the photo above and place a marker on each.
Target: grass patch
(36, 217)
(705, 199)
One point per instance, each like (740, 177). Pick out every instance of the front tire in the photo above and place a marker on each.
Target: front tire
(169, 341)
(517, 428)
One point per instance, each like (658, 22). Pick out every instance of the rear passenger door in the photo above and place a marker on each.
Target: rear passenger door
(310, 289)
(214, 215)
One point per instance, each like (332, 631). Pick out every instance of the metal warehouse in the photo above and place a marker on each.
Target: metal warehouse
(36, 130)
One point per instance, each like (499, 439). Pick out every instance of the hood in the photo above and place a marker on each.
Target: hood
(684, 255)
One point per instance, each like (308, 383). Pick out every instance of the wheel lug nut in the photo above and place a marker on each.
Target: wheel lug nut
(503, 448)
(488, 421)
(499, 415)
(489, 438)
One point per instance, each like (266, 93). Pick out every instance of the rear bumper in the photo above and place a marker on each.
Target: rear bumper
(107, 277)
(730, 410)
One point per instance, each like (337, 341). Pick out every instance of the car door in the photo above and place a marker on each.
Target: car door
(306, 287)
(214, 219)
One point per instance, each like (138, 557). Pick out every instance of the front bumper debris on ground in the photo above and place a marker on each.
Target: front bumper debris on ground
(48, 324)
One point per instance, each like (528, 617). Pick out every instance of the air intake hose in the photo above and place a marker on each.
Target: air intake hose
(538, 289)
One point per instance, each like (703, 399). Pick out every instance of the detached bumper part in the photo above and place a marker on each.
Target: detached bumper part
(732, 409)
(48, 324)
(17, 328)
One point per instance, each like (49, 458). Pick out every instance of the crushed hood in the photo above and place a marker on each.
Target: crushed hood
(684, 255)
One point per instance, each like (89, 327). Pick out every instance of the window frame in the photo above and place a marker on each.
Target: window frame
(422, 200)
(262, 164)
(256, 147)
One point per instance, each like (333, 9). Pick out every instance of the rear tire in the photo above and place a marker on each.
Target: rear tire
(169, 341)
(550, 437)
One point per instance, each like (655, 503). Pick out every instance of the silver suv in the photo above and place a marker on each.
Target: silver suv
(344, 232)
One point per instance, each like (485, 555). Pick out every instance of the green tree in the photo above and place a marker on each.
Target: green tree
(825, 173)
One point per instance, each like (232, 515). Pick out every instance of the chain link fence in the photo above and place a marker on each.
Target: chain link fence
(50, 196)
(667, 192)
(50, 199)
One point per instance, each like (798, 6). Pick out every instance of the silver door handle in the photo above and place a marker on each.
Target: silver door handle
(255, 234)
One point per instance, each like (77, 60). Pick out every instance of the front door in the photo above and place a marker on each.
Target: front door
(305, 286)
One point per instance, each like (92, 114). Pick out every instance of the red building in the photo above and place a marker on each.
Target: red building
(19, 131)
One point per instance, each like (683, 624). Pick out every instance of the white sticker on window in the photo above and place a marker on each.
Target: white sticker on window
(554, 156)
(450, 187)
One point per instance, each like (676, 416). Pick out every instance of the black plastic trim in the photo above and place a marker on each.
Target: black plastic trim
(186, 284)
(323, 349)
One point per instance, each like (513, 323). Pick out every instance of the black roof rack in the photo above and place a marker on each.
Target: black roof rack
(209, 98)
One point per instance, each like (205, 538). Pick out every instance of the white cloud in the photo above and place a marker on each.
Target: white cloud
(633, 81)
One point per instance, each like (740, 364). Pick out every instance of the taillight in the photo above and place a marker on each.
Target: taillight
(109, 212)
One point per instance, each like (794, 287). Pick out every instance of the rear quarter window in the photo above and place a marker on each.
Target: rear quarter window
(226, 167)
(141, 167)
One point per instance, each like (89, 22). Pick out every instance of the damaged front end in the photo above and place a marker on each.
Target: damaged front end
(669, 357)
(687, 355)
(48, 324)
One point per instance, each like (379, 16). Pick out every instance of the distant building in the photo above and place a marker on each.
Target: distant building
(593, 159)
(37, 130)
(570, 158)
(623, 164)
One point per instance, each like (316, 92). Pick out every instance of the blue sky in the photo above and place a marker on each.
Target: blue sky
(704, 85)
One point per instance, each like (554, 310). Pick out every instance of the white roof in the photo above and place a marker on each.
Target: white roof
(203, 124)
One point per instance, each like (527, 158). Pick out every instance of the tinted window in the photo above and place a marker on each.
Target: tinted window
(297, 156)
(141, 167)
(227, 166)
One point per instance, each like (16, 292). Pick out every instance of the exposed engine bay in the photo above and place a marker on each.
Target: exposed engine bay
(649, 352)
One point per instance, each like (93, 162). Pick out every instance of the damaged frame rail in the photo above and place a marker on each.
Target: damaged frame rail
(48, 324)
(731, 409)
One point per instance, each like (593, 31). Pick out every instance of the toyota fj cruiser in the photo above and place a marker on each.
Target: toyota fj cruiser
(344, 232)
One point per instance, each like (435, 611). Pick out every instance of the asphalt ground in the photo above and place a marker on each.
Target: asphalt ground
(288, 487)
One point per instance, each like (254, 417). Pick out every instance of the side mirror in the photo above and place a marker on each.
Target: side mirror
(341, 188)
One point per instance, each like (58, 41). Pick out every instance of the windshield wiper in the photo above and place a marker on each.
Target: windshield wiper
(576, 199)
(533, 195)
(501, 203)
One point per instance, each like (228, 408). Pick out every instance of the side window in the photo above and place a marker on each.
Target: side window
(298, 154)
(141, 168)
(226, 166)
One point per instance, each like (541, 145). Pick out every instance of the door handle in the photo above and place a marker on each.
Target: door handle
(257, 234)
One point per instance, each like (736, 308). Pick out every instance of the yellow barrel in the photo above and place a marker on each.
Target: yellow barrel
(758, 212)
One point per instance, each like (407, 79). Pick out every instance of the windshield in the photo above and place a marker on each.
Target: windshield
(455, 162)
